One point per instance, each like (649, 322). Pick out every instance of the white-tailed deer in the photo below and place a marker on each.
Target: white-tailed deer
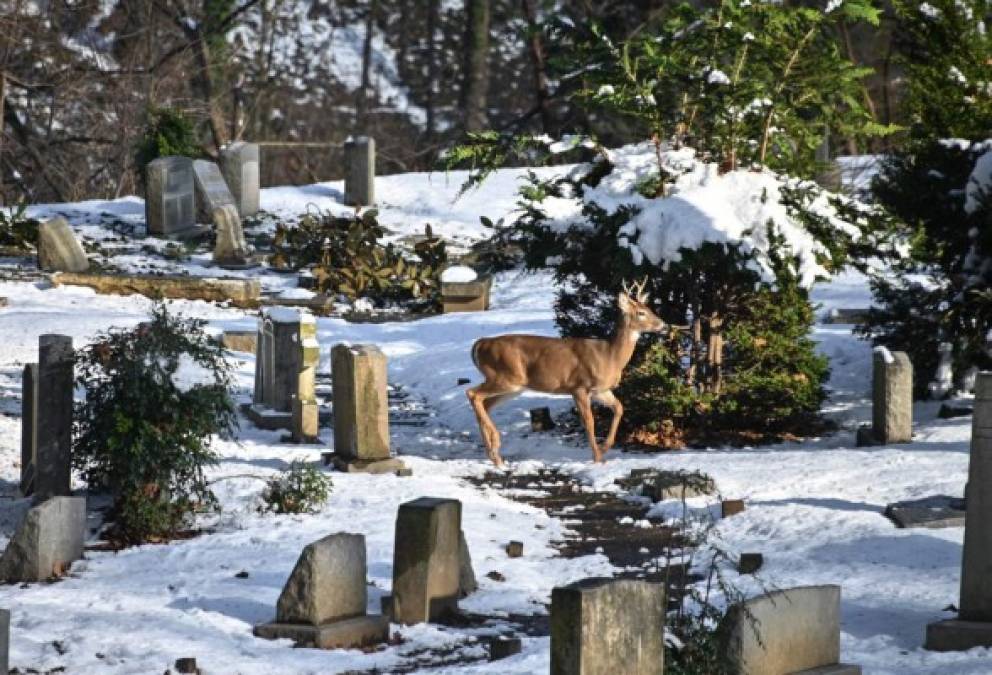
(586, 369)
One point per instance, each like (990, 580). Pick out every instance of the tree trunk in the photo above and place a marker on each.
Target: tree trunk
(715, 353)
(3, 96)
(215, 115)
(433, 13)
(475, 82)
(365, 91)
(542, 88)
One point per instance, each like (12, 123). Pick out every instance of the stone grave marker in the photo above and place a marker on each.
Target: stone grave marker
(4, 641)
(212, 192)
(973, 627)
(426, 560)
(359, 181)
(892, 400)
(934, 512)
(29, 427)
(170, 203)
(231, 250)
(58, 248)
(466, 296)
(793, 631)
(324, 600)
(943, 381)
(361, 410)
(286, 358)
(601, 626)
(48, 540)
(240, 164)
(52, 418)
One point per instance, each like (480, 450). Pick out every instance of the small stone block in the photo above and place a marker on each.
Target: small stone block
(515, 549)
(750, 563)
(502, 647)
(405, 472)
(461, 380)
(540, 420)
(865, 437)
(835, 669)
(466, 296)
(731, 507)
(933, 512)
(187, 665)
(665, 486)
(955, 635)
(360, 631)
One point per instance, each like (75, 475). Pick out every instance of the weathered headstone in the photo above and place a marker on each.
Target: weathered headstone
(47, 542)
(361, 408)
(170, 204)
(211, 190)
(240, 164)
(58, 248)
(359, 181)
(324, 600)
(53, 417)
(973, 627)
(504, 647)
(426, 560)
(231, 249)
(286, 358)
(790, 631)
(29, 428)
(4, 641)
(601, 626)
(892, 397)
(943, 381)
(466, 296)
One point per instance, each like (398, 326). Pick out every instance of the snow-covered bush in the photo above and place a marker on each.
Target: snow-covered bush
(302, 488)
(939, 187)
(155, 395)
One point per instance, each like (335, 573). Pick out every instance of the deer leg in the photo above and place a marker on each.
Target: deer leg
(479, 397)
(584, 406)
(608, 399)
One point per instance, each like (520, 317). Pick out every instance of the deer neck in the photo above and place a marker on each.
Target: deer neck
(623, 343)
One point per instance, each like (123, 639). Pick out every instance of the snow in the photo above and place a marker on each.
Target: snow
(459, 274)
(814, 508)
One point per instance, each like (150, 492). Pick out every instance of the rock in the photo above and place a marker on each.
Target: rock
(933, 512)
(187, 665)
(750, 563)
(58, 248)
(328, 582)
(503, 647)
(405, 472)
(608, 626)
(48, 541)
(515, 549)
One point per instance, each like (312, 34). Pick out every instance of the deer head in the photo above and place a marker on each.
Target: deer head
(637, 315)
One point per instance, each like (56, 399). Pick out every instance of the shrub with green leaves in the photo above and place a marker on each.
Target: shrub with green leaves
(347, 256)
(155, 395)
(17, 230)
(168, 132)
(302, 488)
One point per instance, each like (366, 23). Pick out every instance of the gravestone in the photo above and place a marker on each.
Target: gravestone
(601, 626)
(323, 602)
(361, 409)
(943, 381)
(892, 399)
(466, 296)
(170, 204)
(973, 627)
(231, 249)
(29, 427)
(47, 542)
(426, 560)
(240, 163)
(790, 631)
(4, 641)
(53, 417)
(212, 192)
(359, 181)
(58, 248)
(933, 512)
(286, 358)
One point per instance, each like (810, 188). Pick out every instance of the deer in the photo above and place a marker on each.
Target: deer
(587, 369)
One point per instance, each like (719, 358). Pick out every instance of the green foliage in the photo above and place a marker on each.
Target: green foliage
(302, 488)
(16, 229)
(940, 292)
(143, 433)
(168, 131)
(348, 257)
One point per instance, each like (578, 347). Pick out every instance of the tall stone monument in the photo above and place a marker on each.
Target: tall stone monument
(286, 358)
(212, 192)
(170, 202)
(359, 180)
(892, 399)
(46, 431)
(29, 427)
(240, 163)
(973, 627)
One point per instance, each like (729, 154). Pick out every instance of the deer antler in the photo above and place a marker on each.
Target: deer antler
(640, 293)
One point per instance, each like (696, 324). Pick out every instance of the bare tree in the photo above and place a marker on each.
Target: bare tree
(475, 83)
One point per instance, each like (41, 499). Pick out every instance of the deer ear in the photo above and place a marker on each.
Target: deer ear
(623, 302)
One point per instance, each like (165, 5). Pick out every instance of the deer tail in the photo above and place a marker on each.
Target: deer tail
(475, 350)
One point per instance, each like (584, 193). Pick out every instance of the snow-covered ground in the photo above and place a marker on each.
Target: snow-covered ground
(814, 508)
